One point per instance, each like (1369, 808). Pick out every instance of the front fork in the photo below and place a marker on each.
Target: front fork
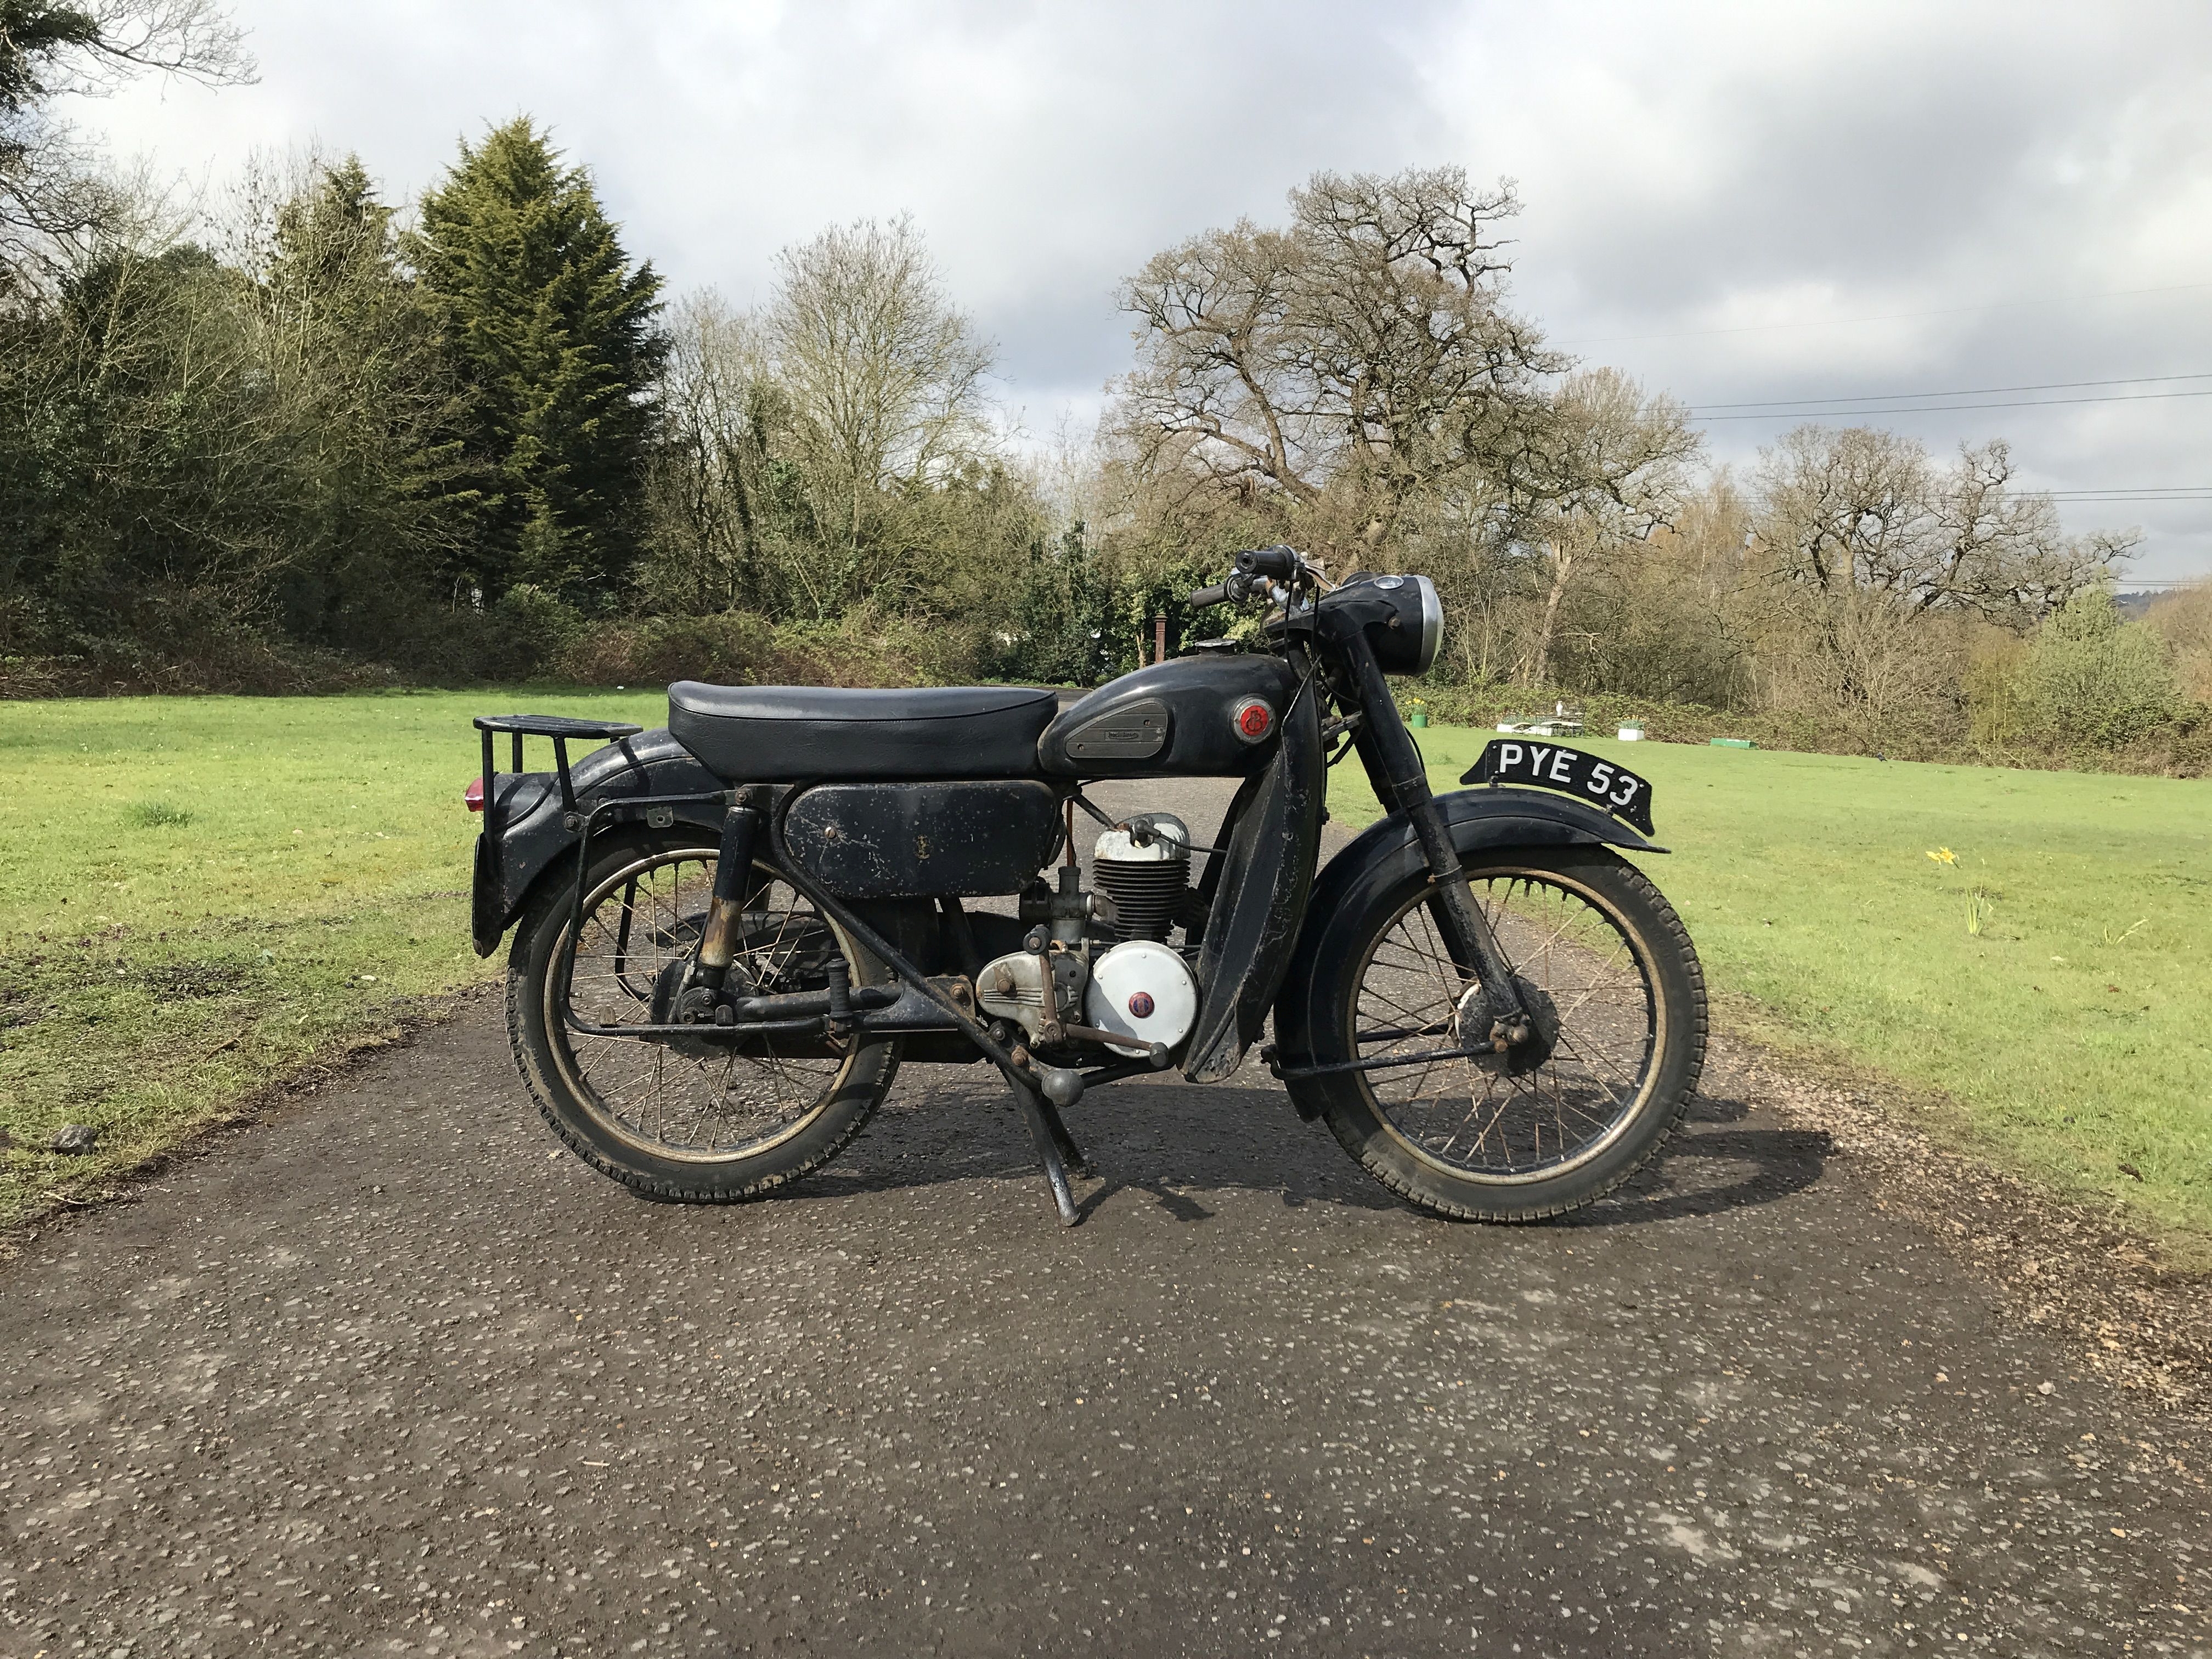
(1402, 784)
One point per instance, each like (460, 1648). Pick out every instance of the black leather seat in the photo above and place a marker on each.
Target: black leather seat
(787, 733)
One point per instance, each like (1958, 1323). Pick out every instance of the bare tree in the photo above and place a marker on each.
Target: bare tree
(1881, 558)
(722, 411)
(1865, 508)
(2001, 550)
(1609, 468)
(885, 377)
(1361, 354)
(53, 196)
(1667, 616)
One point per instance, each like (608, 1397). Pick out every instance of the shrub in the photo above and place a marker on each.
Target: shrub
(2183, 619)
(740, 648)
(725, 649)
(526, 634)
(2092, 679)
(1997, 716)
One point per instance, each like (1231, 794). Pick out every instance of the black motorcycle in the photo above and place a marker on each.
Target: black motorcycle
(732, 932)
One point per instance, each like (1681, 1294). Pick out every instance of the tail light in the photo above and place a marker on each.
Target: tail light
(472, 797)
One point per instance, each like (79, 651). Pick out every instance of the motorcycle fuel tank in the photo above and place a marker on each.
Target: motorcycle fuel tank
(1214, 716)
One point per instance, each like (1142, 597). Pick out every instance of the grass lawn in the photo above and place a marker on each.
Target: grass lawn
(199, 895)
(2066, 1039)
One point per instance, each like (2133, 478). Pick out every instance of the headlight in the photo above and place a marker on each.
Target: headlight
(1404, 619)
(1433, 624)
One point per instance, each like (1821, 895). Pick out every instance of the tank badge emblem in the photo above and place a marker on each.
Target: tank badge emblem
(1252, 720)
(1141, 1005)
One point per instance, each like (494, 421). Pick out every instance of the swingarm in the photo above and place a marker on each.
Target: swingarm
(923, 1002)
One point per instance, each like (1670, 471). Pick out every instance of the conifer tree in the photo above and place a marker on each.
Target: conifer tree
(353, 367)
(551, 330)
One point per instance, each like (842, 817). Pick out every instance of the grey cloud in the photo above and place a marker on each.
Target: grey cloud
(1685, 167)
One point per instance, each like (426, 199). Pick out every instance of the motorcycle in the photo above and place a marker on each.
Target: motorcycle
(730, 933)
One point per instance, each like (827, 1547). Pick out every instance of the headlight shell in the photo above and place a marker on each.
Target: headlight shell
(1403, 618)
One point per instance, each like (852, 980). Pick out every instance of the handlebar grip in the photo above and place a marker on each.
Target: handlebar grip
(1277, 561)
(1218, 593)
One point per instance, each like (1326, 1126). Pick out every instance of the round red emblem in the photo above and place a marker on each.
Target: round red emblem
(1254, 719)
(1141, 1005)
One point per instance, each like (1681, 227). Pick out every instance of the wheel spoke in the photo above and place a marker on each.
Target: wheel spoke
(704, 1100)
(1578, 969)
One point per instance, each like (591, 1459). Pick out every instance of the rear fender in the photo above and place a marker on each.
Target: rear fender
(535, 839)
(1387, 852)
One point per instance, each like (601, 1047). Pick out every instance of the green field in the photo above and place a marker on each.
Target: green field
(2068, 1035)
(199, 895)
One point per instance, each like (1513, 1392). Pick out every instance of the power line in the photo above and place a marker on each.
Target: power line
(1937, 409)
(2175, 492)
(1889, 317)
(1968, 392)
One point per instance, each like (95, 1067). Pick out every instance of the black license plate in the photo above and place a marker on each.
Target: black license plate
(1607, 785)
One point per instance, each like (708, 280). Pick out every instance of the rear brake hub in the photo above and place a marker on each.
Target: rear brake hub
(675, 1003)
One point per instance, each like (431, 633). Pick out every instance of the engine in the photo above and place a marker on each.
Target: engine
(1135, 992)
(1143, 867)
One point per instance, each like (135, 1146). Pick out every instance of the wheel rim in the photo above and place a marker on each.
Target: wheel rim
(715, 1104)
(1591, 980)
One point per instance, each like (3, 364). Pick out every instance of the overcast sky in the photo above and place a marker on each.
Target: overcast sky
(1735, 203)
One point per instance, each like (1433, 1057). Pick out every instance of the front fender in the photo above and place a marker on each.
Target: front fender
(535, 836)
(1387, 851)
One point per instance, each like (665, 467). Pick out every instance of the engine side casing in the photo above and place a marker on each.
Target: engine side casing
(1018, 987)
(1144, 991)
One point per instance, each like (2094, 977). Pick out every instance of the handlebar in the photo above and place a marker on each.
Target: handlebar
(1256, 567)
(1278, 561)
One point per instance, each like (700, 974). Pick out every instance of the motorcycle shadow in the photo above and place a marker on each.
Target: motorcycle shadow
(1179, 1145)
(1711, 1167)
(1174, 1142)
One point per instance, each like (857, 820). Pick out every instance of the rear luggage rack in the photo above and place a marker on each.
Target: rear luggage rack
(559, 728)
(488, 916)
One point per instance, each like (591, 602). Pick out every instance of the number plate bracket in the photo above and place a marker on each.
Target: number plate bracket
(1607, 785)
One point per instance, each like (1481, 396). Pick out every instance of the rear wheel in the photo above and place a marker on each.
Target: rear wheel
(1609, 974)
(701, 1120)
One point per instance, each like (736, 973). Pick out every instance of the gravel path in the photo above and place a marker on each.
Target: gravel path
(390, 1374)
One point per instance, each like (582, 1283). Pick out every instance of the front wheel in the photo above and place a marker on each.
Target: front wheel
(1617, 999)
